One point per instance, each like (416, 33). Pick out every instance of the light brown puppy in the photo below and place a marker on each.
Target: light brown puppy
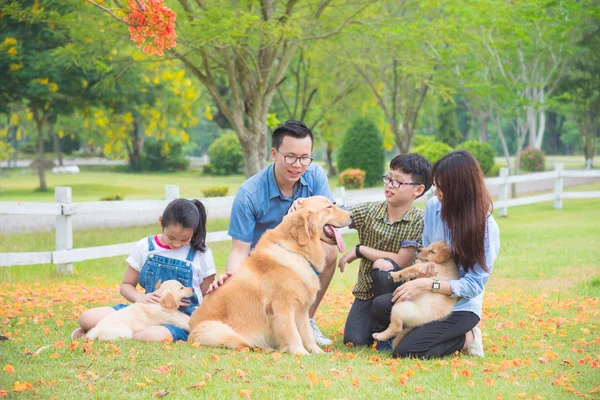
(265, 304)
(139, 316)
(427, 306)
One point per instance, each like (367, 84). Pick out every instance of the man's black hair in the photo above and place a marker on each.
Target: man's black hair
(293, 128)
(416, 165)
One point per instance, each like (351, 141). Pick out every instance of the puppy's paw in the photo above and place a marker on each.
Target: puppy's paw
(377, 336)
(395, 276)
(408, 275)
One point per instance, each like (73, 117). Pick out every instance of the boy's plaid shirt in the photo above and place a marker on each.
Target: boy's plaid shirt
(375, 231)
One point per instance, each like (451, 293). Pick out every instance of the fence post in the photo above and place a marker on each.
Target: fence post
(64, 226)
(171, 192)
(503, 194)
(339, 195)
(558, 185)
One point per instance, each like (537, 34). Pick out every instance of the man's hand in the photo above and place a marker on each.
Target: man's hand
(346, 259)
(219, 282)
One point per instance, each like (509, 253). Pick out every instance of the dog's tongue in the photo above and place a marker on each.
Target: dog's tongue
(338, 239)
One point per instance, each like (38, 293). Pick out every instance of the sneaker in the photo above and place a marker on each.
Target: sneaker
(385, 346)
(321, 340)
(77, 334)
(475, 348)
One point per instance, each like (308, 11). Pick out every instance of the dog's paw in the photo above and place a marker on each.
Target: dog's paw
(316, 350)
(377, 336)
(296, 350)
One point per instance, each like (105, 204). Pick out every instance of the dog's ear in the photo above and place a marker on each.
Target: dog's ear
(168, 301)
(157, 285)
(304, 225)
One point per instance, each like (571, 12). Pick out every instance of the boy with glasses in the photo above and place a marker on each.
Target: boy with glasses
(389, 234)
(264, 199)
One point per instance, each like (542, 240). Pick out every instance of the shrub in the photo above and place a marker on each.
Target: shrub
(162, 155)
(433, 151)
(483, 152)
(447, 130)
(494, 170)
(226, 157)
(418, 140)
(353, 178)
(215, 191)
(115, 197)
(362, 148)
(533, 160)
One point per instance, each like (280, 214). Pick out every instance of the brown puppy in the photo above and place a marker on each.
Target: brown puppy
(139, 316)
(427, 306)
(265, 304)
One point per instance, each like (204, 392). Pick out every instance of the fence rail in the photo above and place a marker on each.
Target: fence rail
(64, 255)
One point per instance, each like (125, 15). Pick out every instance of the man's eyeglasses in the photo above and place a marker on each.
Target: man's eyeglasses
(291, 160)
(396, 184)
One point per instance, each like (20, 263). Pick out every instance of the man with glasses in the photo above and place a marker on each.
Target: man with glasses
(389, 235)
(265, 198)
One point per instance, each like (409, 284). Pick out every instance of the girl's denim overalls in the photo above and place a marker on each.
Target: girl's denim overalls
(161, 268)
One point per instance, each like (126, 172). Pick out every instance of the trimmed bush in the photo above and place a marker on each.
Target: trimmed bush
(162, 155)
(226, 157)
(353, 178)
(494, 171)
(362, 148)
(418, 140)
(215, 191)
(483, 153)
(533, 160)
(433, 151)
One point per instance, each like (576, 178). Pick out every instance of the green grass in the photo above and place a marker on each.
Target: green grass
(541, 333)
(91, 184)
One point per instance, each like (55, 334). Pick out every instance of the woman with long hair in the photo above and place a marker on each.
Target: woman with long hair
(460, 214)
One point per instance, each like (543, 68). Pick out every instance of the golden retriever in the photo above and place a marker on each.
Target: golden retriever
(139, 316)
(265, 304)
(428, 306)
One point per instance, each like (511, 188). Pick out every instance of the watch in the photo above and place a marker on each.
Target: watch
(357, 251)
(435, 286)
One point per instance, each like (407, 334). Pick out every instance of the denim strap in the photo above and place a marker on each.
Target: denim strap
(151, 243)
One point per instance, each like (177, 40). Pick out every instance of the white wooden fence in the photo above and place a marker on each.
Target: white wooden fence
(64, 255)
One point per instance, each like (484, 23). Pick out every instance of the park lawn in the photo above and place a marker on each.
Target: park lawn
(540, 327)
(92, 184)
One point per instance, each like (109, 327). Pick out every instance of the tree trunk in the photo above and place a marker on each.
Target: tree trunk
(137, 144)
(56, 141)
(330, 167)
(39, 123)
(253, 139)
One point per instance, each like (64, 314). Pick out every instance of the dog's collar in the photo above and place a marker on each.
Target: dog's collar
(306, 258)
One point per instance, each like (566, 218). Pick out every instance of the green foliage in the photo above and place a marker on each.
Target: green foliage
(418, 140)
(162, 155)
(215, 191)
(447, 131)
(362, 148)
(226, 157)
(114, 197)
(483, 152)
(533, 160)
(353, 178)
(433, 151)
(494, 171)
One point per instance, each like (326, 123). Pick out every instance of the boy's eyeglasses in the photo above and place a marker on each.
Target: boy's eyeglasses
(396, 184)
(291, 160)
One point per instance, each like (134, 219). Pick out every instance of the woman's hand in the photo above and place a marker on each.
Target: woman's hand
(412, 289)
(218, 282)
(149, 298)
(346, 259)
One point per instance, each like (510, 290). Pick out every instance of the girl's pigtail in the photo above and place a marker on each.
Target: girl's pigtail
(198, 241)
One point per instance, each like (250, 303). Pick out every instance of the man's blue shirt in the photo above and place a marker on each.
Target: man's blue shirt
(259, 204)
(469, 288)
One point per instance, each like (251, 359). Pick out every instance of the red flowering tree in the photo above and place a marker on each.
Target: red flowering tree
(240, 54)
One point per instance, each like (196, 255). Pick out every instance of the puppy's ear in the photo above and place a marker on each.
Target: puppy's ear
(157, 285)
(304, 226)
(168, 301)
